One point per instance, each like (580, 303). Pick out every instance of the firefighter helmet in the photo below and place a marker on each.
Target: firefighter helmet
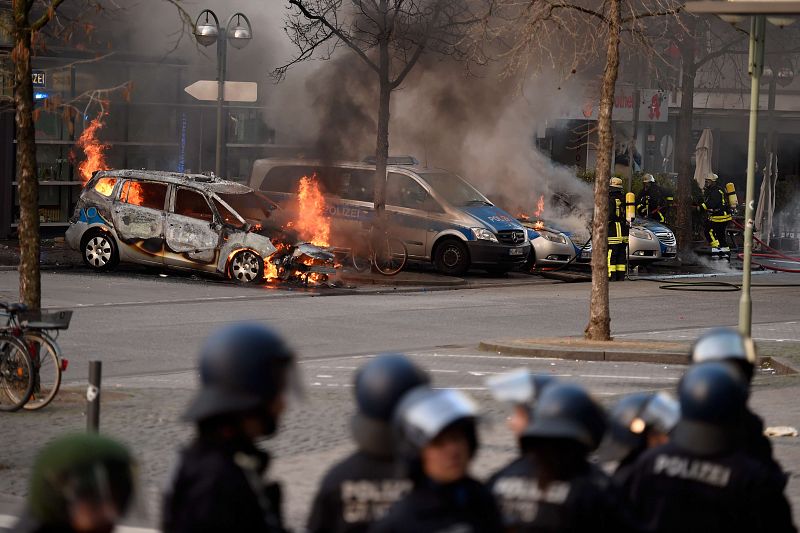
(712, 177)
(519, 387)
(648, 178)
(713, 397)
(615, 183)
(726, 344)
(566, 411)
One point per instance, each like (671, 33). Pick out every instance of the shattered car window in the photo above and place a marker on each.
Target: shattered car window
(192, 204)
(455, 190)
(251, 206)
(144, 194)
(105, 186)
(225, 214)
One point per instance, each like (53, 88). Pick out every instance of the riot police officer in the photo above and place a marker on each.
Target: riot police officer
(730, 347)
(567, 493)
(701, 481)
(717, 212)
(246, 371)
(437, 439)
(617, 232)
(360, 489)
(652, 201)
(80, 483)
(637, 422)
(521, 388)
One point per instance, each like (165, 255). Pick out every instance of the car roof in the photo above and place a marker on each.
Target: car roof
(195, 181)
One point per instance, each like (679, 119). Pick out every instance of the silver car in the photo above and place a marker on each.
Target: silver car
(644, 246)
(550, 247)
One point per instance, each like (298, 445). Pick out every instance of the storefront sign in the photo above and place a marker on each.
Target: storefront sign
(39, 79)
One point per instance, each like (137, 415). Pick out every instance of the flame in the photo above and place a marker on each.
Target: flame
(105, 186)
(312, 224)
(93, 149)
(132, 193)
(538, 225)
(270, 268)
(539, 207)
(523, 216)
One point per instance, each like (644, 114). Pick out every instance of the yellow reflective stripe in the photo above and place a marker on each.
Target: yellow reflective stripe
(615, 240)
(720, 218)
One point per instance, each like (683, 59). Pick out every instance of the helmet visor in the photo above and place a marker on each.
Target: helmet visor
(515, 387)
(661, 413)
(428, 417)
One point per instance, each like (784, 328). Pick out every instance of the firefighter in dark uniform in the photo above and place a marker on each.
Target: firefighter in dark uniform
(717, 212)
(520, 388)
(617, 232)
(246, 372)
(437, 440)
(653, 202)
(730, 347)
(360, 489)
(701, 481)
(567, 493)
(638, 422)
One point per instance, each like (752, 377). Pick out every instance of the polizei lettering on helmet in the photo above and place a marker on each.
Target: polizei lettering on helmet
(706, 472)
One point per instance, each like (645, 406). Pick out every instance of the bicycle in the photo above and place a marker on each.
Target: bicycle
(16, 372)
(32, 328)
(381, 250)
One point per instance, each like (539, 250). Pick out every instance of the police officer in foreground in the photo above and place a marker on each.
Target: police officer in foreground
(437, 439)
(701, 481)
(638, 422)
(730, 347)
(617, 232)
(80, 483)
(246, 371)
(717, 212)
(652, 201)
(520, 388)
(360, 489)
(568, 493)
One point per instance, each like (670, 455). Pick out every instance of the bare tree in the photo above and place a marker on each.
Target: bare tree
(388, 36)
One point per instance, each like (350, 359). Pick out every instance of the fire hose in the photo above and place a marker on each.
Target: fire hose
(774, 254)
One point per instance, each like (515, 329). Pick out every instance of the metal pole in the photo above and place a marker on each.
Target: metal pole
(757, 29)
(221, 53)
(93, 396)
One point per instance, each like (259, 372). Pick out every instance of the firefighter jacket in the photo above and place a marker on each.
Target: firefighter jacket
(617, 224)
(672, 490)
(356, 493)
(220, 486)
(652, 203)
(465, 506)
(715, 204)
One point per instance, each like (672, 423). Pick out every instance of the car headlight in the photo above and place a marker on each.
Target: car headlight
(484, 234)
(640, 233)
(553, 237)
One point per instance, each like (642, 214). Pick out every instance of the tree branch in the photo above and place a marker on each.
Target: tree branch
(46, 16)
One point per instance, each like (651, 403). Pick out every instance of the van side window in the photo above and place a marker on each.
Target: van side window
(358, 185)
(285, 179)
(402, 191)
(105, 186)
(144, 194)
(192, 204)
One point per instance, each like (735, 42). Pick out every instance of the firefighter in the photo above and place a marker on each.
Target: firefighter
(652, 202)
(80, 483)
(521, 388)
(567, 493)
(717, 212)
(730, 347)
(637, 422)
(361, 488)
(701, 481)
(437, 439)
(617, 232)
(246, 373)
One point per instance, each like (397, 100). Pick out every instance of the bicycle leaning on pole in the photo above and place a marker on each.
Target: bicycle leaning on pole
(381, 250)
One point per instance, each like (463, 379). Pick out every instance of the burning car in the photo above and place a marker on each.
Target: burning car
(184, 221)
(551, 247)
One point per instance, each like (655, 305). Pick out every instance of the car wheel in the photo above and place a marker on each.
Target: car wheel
(451, 257)
(99, 251)
(246, 267)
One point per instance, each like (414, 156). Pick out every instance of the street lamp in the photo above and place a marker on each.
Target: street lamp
(781, 13)
(238, 32)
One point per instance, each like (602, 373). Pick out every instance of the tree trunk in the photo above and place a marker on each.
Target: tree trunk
(30, 289)
(683, 145)
(599, 327)
(382, 145)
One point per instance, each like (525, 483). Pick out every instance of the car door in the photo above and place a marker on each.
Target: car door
(407, 203)
(192, 233)
(138, 216)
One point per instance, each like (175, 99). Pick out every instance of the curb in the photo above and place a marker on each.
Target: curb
(400, 282)
(585, 354)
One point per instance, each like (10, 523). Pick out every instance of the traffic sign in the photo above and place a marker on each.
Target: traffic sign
(235, 91)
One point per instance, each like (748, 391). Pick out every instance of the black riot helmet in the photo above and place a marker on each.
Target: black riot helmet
(379, 386)
(726, 344)
(243, 367)
(713, 397)
(519, 387)
(632, 418)
(566, 411)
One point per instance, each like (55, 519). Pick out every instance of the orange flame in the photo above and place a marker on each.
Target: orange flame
(93, 149)
(105, 186)
(312, 224)
(539, 207)
(538, 225)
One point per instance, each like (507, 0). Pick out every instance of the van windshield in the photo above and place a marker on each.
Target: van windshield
(252, 206)
(455, 190)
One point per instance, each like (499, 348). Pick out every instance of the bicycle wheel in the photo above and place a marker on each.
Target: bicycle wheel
(360, 258)
(16, 374)
(391, 255)
(47, 369)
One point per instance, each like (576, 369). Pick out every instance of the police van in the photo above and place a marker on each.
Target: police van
(439, 216)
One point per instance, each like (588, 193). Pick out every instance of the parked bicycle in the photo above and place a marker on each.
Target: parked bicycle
(381, 250)
(37, 331)
(16, 371)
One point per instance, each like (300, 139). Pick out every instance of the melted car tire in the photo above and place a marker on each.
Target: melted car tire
(238, 275)
(451, 257)
(103, 246)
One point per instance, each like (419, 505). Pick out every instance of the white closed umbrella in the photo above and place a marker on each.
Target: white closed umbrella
(702, 156)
